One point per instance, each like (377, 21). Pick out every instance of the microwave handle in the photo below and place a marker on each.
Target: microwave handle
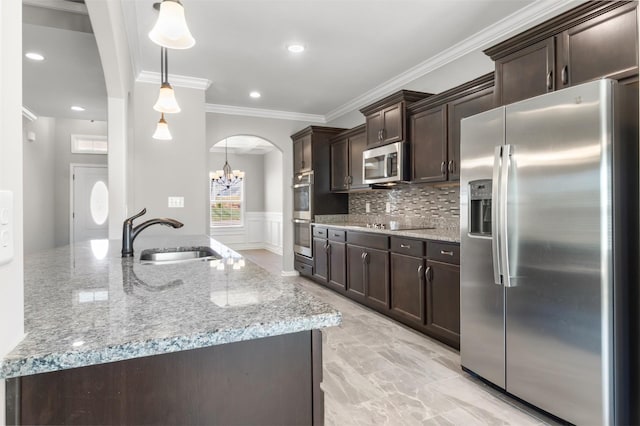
(387, 165)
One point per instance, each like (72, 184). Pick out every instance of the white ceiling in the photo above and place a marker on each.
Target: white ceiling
(243, 144)
(352, 45)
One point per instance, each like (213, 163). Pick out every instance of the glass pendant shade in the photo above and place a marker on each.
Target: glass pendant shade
(171, 29)
(166, 102)
(162, 130)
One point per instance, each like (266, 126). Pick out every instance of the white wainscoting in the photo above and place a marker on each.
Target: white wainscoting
(261, 230)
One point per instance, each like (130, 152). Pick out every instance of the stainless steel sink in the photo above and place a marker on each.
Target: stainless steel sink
(178, 254)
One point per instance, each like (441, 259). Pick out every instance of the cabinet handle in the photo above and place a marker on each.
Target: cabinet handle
(446, 252)
(427, 274)
(450, 166)
(327, 248)
(336, 235)
(565, 74)
(407, 246)
(442, 167)
(421, 272)
(550, 80)
(365, 257)
(362, 257)
(382, 134)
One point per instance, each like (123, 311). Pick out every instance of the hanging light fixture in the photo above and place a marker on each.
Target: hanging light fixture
(171, 28)
(166, 102)
(226, 176)
(162, 130)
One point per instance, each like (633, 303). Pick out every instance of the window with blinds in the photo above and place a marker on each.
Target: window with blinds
(226, 203)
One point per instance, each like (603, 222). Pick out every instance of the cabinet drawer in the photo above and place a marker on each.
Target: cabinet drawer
(303, 259)
(368, 240)
(304, 269)
(319, 232)
(443, 252)
(337, 235)
(407, 246)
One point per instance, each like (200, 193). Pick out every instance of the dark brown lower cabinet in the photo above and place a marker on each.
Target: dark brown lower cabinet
(356, 274)
(337, 265)
(320, 259)
(274, 380)
(442, 301)
(407, 287)
(368, 276)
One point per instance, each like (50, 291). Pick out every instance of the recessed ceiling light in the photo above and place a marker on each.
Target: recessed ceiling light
(34, 56)
(295, 48)
(255, 95)
(77, 108)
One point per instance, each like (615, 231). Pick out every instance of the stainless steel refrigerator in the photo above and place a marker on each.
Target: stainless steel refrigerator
(548, 221)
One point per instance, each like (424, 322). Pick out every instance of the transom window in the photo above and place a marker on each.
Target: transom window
(226, 203)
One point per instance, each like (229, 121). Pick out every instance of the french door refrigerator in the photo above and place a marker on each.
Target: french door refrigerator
(548, 220)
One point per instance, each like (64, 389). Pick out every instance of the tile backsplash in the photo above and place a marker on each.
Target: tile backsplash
(439, 205)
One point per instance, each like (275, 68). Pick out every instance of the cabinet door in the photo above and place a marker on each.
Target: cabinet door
(393, 123)
(337, 265)
(374, 125)
(443, 300)
(339, 165)
(306, 153)
(605, 46)
(355, 272)
(407, 287)
(320, 259)
(377, 278)
(467, 106)
(526, 73)
(297, 156)
(429, 145)
(357, 145)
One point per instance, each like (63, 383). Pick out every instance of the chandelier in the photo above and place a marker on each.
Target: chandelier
(227, 176)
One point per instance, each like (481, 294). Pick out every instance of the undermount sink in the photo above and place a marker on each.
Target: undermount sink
(177, 254)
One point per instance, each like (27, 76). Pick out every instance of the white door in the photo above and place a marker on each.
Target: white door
(89, 202)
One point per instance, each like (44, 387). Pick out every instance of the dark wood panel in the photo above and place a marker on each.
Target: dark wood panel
(305, 270)
(393, 129)
(337, 234)
(407, 246)
(429, 145)
(337, 265)
(339, 165)
(443, 252)
(355, 272)
(262, 381)
(377, 269)
(357, 145)
(320, 260)
(526, 73)
(464, 107)
(606, 46)
(316, 363)
(297, 156)
(443, 301)
(364, 239)
(407, 287)
(375, 124)
(307, 160)
(319, 232)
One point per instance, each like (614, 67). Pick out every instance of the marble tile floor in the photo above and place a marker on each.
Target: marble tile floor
(379, 372)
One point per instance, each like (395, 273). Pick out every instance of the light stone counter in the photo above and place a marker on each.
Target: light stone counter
(84, 305)
(439, 234)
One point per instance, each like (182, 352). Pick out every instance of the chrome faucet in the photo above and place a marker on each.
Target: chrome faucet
(129, 233)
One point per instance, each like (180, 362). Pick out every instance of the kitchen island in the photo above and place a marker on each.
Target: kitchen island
(111, 340)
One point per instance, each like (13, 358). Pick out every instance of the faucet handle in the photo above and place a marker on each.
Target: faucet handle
(137, 215)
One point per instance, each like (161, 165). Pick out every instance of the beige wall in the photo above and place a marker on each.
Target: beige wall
(273, 182)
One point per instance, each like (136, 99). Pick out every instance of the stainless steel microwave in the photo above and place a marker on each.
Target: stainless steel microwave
(385, 164)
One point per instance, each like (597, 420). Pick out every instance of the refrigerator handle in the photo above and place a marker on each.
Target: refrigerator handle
(495, 216)
(504, 207)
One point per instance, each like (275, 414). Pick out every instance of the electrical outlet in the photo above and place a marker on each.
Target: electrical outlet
(367, 207)
(176, 202)
(388, 208)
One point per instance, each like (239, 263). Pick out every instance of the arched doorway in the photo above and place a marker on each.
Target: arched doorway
(246, 212)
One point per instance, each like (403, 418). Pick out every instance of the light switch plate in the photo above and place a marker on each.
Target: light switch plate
(176, 202)
(367, 207)
(388, 209)
(6, 227)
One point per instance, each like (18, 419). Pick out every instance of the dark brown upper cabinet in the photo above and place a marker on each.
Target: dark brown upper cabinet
(434, 127)
(591, 41)
(302, 154)
(386, 120)
(346, 160)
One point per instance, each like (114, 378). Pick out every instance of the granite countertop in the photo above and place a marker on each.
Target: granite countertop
(439, 234)
(85, 305)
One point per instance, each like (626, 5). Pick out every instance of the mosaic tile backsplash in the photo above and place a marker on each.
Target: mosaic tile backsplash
(438, 205)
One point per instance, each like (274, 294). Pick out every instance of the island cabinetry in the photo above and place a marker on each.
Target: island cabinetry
(386, 120)
(273, 380)
(346, 160)
(442, 294)
(368, 269)
(434, 125)
(591, 41)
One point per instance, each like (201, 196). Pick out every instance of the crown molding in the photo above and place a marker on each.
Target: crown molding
(264, 113)
(175, 80)
(28, 114)
(516, 22)
(60, 5)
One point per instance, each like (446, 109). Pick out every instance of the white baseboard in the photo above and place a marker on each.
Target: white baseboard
(273, 249)
(290, 273)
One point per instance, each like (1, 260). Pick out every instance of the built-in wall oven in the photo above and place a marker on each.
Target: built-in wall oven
(302, 212)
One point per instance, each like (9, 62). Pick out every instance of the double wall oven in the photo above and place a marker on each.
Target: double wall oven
(302, 212)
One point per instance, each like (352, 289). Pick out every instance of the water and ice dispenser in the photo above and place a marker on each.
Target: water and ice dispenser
(480, 207)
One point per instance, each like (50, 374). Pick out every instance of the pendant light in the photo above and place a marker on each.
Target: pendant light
(226, 176)
(162, 130)
(171, 28)
(166, 102)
